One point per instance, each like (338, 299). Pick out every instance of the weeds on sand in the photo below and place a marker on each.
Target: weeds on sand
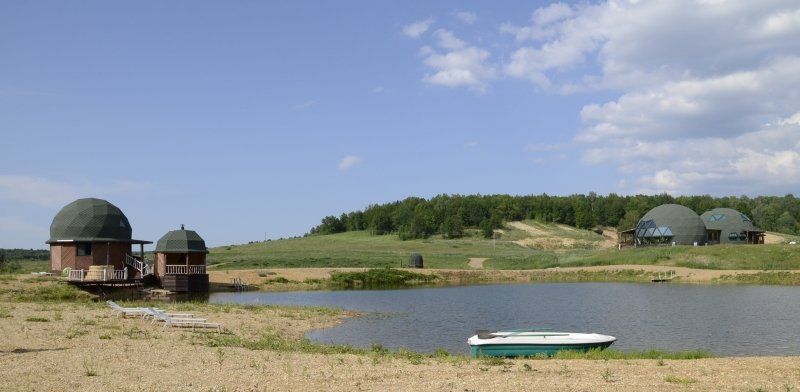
(37, 319)
(89, 369)
(55, 292)
(220, 355)
(608, 376)
(75, 332)
(679, 380)
(598, 354)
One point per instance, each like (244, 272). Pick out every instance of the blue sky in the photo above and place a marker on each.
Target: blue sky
(240, 119)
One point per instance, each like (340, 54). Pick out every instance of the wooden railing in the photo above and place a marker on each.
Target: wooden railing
(185, 270)
(81, 276)
(135, 263)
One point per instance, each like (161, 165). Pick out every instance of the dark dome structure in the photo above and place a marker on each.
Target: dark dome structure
(733, 225)
(90, 219)
(670, 223)
(181, 241)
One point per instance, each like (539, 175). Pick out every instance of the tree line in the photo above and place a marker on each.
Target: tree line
(449, 215)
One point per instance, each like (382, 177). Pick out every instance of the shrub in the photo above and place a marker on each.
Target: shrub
(380, 277)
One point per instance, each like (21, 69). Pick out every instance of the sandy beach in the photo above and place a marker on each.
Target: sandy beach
(79, 344)
(84, 347)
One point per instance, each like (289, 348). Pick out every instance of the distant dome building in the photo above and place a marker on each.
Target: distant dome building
(670, 223)
(180, 261)
(92, 238)
(729, 226)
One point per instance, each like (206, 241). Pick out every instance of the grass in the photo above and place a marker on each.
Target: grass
(54, 292)
(679, 380)
(770, 278)
(593, 276)
(598, 354)
(25, 266)
(380, 278)
(36, 319)
(360, 249)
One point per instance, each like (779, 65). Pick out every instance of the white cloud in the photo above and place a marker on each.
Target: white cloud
(416, 29)
(458, 64)
(447, 40)
(471, 144)
(378, 90)
(349, 161)
(467, 17)
(50, 193)
(699, 83)
(704, 94)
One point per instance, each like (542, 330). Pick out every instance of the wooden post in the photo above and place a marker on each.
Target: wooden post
(187, 264)
(108, 251)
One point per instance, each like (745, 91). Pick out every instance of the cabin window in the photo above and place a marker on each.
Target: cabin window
(84, 248)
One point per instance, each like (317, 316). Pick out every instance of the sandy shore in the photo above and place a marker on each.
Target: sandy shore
(453, 276)
(53, 346)
(83, 347)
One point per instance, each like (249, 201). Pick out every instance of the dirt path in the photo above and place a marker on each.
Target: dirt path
(476, 262)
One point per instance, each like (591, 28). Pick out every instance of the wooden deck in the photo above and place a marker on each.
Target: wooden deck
(185, 282)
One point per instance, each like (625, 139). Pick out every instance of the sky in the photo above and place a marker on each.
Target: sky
(251, 120)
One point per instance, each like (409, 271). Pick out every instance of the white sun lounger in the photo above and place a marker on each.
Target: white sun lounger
(160, 315)
(186, 322)
(124, 312)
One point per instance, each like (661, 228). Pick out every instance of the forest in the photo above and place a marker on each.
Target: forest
(449, 215)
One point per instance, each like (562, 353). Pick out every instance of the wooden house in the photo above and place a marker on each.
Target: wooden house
(180, 261)
(90, 241)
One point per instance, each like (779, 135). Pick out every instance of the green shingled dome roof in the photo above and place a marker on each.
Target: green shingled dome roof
(90, 220)
(731, 223)
(671, 223)
(181, 241)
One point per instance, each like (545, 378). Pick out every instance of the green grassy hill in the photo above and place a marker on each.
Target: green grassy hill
(527, 246)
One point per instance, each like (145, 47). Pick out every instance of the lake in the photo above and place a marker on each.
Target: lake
(725, 320)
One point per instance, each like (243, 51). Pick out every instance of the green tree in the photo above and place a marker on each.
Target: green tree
(452, 227)
(486, 229)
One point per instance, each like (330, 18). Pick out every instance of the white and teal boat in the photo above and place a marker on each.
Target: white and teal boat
(519, 343)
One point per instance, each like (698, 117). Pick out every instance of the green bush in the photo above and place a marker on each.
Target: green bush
(380, 277)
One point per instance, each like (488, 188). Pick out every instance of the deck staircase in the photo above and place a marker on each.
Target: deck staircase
(143, 268)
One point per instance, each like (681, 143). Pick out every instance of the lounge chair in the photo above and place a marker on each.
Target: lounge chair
(124, 312)
(160, 315)
(186, 322)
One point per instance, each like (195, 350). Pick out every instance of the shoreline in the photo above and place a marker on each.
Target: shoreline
(311, 279)
(78, 344)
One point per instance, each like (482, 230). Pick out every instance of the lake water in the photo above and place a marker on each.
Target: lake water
(725, 320)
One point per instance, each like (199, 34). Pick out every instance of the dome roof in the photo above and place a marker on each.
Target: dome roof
(671, 223)
(181, 241)
(731, 224)
(90, 220)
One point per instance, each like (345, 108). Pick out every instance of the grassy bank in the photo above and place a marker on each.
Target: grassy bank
(360, 249)
(781, 278)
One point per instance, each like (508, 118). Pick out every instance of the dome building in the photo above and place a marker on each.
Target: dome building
(670, 224)
(180, 261)
(90, 239)
(729, 226)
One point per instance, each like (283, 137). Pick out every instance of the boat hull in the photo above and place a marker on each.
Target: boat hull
(531, 350)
